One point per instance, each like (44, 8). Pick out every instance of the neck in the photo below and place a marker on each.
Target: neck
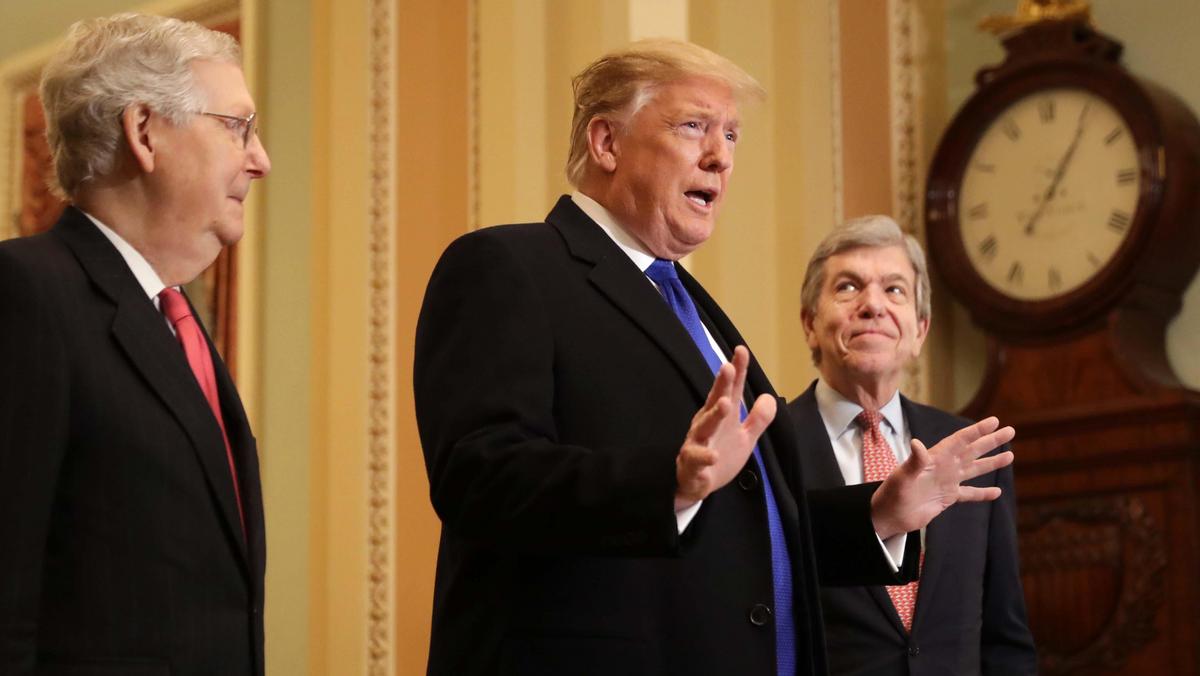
(125, 209)
(870, 393)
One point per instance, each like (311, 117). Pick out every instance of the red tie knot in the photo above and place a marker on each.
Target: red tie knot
(174, 305)
(868, 419)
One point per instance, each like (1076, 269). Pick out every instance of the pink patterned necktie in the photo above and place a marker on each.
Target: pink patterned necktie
(878, 462)
(195, 348)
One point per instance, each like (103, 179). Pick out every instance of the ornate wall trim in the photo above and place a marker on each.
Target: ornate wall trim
(381, 411)
(473, 122)
(908, 161)
(835, 110)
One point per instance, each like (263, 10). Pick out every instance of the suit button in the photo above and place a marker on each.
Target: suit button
(913, 651)
(748, 480)
(760, 615)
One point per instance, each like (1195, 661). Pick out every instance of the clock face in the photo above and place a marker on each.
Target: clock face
(1049, 193)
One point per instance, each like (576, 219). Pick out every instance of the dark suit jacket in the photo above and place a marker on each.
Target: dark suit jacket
(122, 551)
(970, 615)
(554, 387)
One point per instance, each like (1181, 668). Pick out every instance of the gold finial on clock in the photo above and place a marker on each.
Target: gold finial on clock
(1035, 11)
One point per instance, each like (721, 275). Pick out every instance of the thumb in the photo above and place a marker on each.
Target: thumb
(919, 460)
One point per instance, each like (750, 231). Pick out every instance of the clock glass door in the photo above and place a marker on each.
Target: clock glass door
(1049, 193)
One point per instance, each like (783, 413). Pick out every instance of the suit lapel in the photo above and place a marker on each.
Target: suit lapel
(829, 475)
(142, 333)
(931, 568)
(821, 468)
(619, 280)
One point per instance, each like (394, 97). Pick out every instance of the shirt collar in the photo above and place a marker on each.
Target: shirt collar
(839, 413)
(613, 228)
(151, 283)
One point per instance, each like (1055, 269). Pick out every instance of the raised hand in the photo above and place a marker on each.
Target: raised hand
(931, 479)
(719, 443)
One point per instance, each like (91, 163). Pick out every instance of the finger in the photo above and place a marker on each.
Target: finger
(918, 460)
(720, 386)
(696, 457)
(989, 464)
(975, 494)
(741, 362)
(709, 420)
(760, 416)
(970, 433)
(989, 442)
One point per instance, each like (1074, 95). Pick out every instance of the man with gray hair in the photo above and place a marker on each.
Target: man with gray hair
(865, 308)
(133, 526)
(616, 494)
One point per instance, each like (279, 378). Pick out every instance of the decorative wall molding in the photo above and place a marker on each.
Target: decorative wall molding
(381, 411)
(835, 110)
(473, 122)
(907, 156)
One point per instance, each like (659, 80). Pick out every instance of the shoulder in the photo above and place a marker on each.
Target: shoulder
(933, 418)
(33, 264)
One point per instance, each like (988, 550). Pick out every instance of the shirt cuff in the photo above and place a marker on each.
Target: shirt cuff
(893, 548)
(684, 517)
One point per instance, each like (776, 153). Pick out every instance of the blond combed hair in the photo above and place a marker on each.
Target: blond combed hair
(106, 65)
(618, 84)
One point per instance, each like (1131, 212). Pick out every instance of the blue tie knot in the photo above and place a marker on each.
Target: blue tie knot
(662, 271)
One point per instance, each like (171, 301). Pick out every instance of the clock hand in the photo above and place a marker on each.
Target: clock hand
(1060, 172)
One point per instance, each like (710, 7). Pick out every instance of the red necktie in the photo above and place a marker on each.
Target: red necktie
(878, 462)
(195, 348)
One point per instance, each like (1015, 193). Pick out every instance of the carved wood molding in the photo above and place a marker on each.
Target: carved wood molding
(473, 121)
(908, 161)
(835, 105)
(381, 450)
(1116, 533)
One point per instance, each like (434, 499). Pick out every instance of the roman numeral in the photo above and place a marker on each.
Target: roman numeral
(1093, 260)
(1113, 136)
(1126, 176)
(1055, 279)
(985, 167)
(1046, 110)
(978, 211)
(1010, 129)
(987, 248)
(1016, 274)
(1119, 220)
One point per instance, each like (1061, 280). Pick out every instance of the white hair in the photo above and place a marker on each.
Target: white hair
(105, 66)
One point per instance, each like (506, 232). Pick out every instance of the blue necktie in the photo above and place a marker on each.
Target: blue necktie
(664, 275)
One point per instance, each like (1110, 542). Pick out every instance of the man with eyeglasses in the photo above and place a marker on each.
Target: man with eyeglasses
(131, 523)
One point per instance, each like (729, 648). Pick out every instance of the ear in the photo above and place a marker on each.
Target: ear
(919, 339)
(810, 331)
(135, 122)
(602, 144)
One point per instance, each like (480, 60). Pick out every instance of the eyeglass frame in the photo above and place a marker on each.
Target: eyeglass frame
(248, 126)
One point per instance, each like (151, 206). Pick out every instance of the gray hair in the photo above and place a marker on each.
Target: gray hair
(857, 233)
(618, 84)
(108, 64)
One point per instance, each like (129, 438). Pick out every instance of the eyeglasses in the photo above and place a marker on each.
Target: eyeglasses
(246, 125)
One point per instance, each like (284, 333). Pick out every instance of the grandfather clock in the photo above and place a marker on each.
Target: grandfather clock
(1063, 210)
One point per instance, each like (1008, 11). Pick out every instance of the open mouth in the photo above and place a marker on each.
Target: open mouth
(702, 198)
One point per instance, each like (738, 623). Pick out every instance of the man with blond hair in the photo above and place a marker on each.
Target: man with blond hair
(616, 493)
(865, 308)
(132, 537)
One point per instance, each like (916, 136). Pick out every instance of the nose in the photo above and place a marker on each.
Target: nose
(872, 301)
(258, 164)
(718, 152)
